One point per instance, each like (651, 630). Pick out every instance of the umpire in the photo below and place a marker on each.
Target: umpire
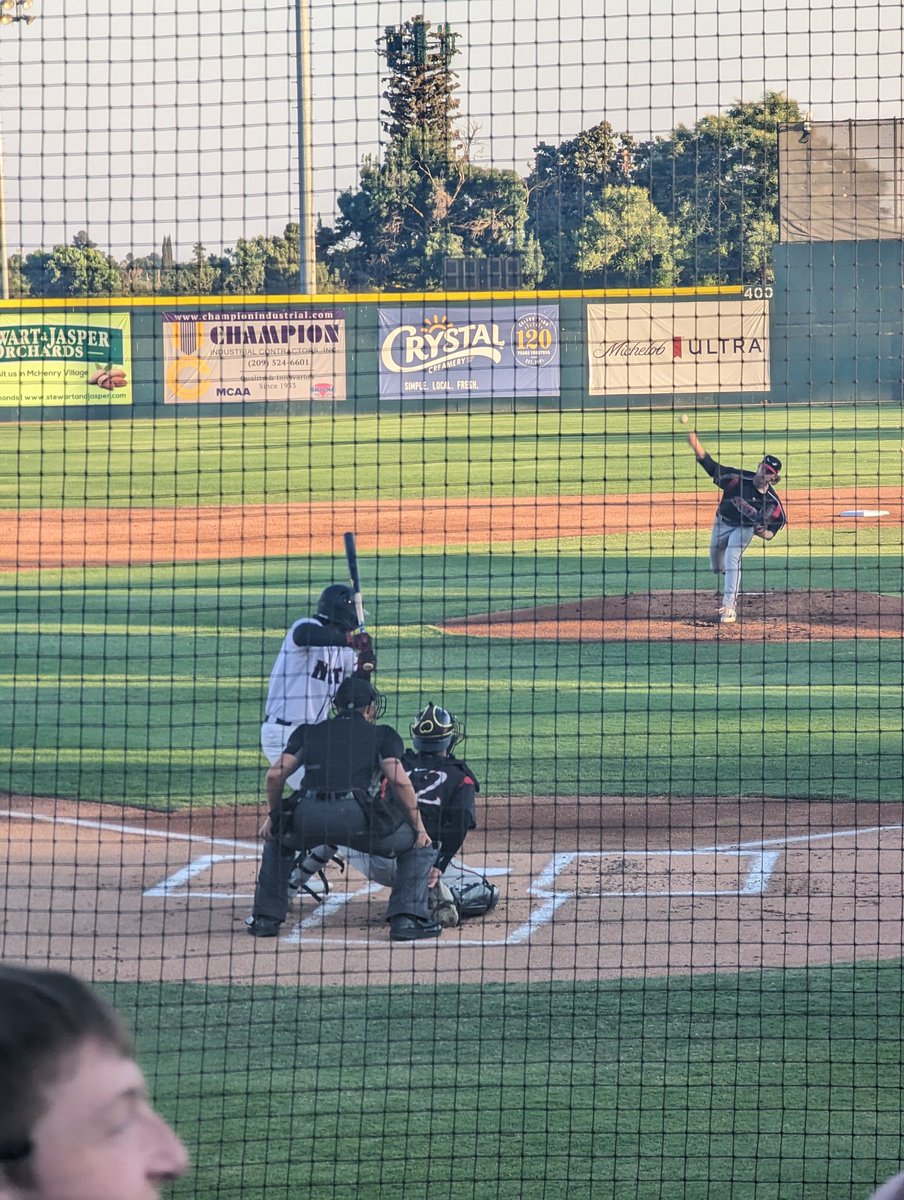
(345, 802)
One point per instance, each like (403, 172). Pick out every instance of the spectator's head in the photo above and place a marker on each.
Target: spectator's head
(75, 1119)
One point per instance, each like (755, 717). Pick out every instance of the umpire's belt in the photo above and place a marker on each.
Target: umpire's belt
(383, 816)
(347, 794)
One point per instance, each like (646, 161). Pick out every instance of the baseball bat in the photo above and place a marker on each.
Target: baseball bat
(351, 556)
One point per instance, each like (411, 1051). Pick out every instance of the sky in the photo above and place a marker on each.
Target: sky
(137, 119)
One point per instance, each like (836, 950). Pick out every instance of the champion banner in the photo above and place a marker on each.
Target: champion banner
(261, 354)
(678, 347)
(65, 359)
(466, 350)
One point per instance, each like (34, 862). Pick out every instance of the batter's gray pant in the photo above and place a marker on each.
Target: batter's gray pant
(273, 741)
(727, 544)
(383, 870)
(341, 821)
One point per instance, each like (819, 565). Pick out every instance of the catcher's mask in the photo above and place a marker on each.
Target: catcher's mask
(435, 731)
(354, 693)
(336, 604)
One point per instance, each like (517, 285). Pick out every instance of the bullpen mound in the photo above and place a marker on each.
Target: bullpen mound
(693, 616)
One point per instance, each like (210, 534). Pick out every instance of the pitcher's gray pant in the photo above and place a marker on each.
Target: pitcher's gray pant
(727, 544)
(341, 821)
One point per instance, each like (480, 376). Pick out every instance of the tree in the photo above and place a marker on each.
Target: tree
(18, 284)
(200, 277)
(719, 182)
(424, 200)
(71, 271)
(261, 265)
(419, 94)
(624, 241)
(565, 183)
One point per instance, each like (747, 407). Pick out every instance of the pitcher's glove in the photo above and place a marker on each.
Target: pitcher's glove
(443, 905)
(367, 659)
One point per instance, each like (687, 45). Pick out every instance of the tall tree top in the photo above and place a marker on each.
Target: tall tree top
(419, 93)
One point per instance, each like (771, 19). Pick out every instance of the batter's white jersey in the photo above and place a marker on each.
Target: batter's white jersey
(305, 679)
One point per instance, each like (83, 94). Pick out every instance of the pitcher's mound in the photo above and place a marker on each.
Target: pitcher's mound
(694, 616)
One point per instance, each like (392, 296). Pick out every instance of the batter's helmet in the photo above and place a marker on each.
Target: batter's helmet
(336, 604)
(355, 693)
(435, 730)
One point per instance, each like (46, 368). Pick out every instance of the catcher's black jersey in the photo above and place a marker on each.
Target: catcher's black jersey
(742, 503)
(446, 788)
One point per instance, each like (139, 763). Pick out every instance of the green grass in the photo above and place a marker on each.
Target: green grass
(242, 460)
(145, 684)
(762, 1086)
(148, 683)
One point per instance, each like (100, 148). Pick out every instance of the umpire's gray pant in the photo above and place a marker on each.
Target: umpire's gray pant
(727, 544)
(341, 821)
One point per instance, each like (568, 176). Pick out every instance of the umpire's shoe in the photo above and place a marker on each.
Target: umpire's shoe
(405, 928)
(262, 926)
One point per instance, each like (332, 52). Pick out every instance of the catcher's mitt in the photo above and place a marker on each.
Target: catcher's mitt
(443, 905)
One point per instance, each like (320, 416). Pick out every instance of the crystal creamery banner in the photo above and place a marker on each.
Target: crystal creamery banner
(502, 350)
(51, 359)
(260, 354)
(678, 346)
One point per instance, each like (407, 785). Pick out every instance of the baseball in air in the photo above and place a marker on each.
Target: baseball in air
(683, 418)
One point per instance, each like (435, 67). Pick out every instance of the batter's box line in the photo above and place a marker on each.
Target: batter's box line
(761, 864)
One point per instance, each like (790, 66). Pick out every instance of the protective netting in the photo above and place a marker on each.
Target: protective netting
(588, 323)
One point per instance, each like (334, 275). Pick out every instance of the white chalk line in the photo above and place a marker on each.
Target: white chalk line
(759, 872)
(756, 881)
(129, 830)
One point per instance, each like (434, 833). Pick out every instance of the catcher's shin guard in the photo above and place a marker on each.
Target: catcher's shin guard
(315, 862)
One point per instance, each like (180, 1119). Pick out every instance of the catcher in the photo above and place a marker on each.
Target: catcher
(446, 788)
(750, 507)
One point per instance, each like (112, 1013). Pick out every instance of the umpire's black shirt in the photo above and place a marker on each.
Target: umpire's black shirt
(343, 754)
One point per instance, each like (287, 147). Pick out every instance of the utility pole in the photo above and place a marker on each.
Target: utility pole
(11, 13)
(307, 254)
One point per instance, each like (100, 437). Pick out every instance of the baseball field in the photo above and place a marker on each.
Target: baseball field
(692, 984)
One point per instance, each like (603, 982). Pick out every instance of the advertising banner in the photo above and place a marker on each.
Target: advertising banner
(510, 350)
(65, 359)
(259, 354)
(678, 346)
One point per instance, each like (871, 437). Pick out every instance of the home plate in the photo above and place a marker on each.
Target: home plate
(864, 512)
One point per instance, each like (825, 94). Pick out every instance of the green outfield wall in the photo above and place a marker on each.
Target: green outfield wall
(830, 330)
(208, 356)
(837, 322)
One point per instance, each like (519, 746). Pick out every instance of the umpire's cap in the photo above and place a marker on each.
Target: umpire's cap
(354, 693)
(774, 464)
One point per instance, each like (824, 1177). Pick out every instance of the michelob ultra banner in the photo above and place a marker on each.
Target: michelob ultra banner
(676, 346)
(465, 350)
(65, 359)
(259, 354)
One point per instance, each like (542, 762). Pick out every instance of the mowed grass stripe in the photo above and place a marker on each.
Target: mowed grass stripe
(349, 457)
